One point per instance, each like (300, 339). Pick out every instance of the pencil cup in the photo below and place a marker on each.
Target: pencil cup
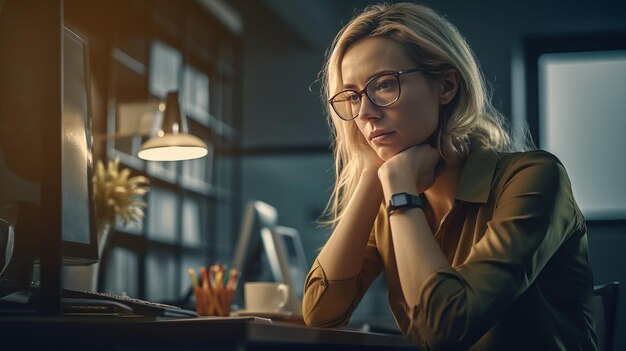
(213, 302)
(215, 294)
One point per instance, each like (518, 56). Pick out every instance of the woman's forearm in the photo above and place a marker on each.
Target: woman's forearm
(342, 256)
(417, 254)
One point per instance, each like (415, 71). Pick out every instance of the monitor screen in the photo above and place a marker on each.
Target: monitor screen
(78, 227)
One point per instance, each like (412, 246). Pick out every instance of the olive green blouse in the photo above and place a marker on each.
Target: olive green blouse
(519, 277)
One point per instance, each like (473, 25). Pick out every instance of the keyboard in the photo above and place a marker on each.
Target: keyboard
(78, 298)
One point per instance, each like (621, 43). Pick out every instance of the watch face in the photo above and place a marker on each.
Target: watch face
(399, 199)
(405, 200)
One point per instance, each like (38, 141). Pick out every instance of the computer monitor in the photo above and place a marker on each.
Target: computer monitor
(290, 264)
(249, 257)
(79, 237)
(45, 143)
(266, 251)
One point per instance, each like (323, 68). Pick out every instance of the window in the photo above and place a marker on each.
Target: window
(576, 111)
(581, 116)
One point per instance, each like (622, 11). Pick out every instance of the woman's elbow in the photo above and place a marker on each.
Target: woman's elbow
(443, 321)
(323, 319)
(433, 338)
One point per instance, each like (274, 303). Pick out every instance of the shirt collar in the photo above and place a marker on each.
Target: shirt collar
(477, 174)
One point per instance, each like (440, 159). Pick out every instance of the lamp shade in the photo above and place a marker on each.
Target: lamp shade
(172, 142)
(173, 147)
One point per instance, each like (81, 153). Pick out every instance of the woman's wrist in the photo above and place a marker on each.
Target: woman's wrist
(388, 192)
(394, 184)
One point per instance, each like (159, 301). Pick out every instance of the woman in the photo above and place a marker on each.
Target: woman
(482, 247)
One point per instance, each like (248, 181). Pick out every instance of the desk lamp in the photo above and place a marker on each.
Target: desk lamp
(172, 142)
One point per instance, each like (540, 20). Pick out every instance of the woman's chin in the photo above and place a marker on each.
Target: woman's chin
(385, 155)
(387, 152)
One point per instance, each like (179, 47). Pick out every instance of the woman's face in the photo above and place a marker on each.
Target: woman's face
(407, 122)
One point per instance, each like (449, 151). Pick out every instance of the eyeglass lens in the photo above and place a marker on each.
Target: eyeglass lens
(382, 91)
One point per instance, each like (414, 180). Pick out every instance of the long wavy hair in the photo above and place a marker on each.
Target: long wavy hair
(435, 45)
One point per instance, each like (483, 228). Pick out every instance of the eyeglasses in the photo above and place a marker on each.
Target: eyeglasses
(382, 90)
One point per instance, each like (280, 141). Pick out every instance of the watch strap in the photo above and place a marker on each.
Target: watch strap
(401, 201)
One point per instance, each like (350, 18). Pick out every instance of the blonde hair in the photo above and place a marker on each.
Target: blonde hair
(436, 46)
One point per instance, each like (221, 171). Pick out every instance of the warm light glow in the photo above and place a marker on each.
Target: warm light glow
(173, 147)
(162, 106)
(172, 153)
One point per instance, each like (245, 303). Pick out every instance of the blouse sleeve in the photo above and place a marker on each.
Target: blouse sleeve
(532, 218)
(330, 303)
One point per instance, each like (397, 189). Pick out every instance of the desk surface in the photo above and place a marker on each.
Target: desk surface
(131, 333)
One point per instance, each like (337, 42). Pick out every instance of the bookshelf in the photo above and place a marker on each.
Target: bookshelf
(141, 50)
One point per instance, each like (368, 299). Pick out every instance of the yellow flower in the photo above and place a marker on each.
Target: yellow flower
(117, 195)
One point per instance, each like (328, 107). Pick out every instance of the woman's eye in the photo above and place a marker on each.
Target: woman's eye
(385, 84)
(354, 98)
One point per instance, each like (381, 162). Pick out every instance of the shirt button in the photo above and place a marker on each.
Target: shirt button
(323, 283)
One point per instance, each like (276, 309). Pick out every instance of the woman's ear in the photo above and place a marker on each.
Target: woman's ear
(449, 86)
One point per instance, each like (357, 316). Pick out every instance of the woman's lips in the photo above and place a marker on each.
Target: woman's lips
(381, 137)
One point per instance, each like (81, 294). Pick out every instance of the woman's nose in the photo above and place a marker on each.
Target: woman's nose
(368, 109)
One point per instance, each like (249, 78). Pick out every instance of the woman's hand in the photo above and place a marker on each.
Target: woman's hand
(369, 157)
(411, 170)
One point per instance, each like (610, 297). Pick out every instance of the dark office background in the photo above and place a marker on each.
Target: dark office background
(286, 160)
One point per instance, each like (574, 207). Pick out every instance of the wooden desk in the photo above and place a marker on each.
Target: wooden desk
(131, 333)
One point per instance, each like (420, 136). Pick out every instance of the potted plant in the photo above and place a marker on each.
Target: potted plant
(118, 198)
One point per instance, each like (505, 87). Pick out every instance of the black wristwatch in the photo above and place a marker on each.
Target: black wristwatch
(404, 200)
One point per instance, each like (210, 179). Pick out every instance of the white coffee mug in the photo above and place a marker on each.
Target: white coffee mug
(265, 296)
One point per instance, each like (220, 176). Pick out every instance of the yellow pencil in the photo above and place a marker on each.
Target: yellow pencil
(218, 279)
(232, 279)
(205, 278)
(192, 275)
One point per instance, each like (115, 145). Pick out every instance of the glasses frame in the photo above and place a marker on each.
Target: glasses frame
(364, 91)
